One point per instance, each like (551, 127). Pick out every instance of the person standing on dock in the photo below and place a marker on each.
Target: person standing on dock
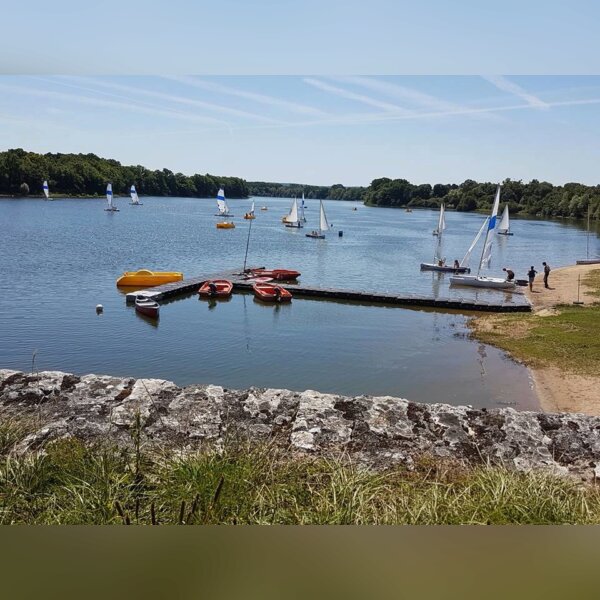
(546, 275)
(531, 275)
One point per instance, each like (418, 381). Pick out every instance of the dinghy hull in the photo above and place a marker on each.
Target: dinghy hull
(276, 274)
(444, 269)
(482, 282)
(271, 293)
(145, 278)
(147, 307)
(223, 289)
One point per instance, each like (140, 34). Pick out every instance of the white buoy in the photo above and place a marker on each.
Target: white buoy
(99, 308)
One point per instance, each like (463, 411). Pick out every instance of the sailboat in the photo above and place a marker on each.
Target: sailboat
(222, 205)
(293, 220)
(109, 199)
(481, 280)
(250, 213)
(302, 207)
(46, 190)
(504, 227)
(588, 260)
(439, 262)
(323, 224)
(135, 200)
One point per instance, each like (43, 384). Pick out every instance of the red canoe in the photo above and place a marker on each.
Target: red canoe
(277, 274)
(221, 288)
(147, 307)
(271, 293)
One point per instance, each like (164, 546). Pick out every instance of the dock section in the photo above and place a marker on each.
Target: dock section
(519, 302)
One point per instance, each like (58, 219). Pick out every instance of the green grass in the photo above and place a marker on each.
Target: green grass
(73, 483)
(592, 281)
(568, 339)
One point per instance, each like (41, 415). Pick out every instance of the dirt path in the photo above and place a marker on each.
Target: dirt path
(563, 287)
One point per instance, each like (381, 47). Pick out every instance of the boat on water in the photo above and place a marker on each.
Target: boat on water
(319, 234)
(226, 225)
(222, 205)
(293, 219)
(135, 200)
(408, 210)
(271, 293)
(109, 199)
(264, 208)
(250, 213)
(439, 262)
(302, 218)
(479, 280)
(588, 260)
(146, 306)
(216, 288)
(276, 274)
(504, 227)
(46, 190)
(147, 278)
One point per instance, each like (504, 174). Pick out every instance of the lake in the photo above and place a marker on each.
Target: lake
(61, 258)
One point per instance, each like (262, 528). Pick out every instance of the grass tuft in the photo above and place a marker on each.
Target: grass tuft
(242, 484)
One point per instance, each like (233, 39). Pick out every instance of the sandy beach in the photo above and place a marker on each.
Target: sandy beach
(559, 390)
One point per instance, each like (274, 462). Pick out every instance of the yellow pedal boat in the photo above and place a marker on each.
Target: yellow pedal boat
(145, 278)
(226, 225)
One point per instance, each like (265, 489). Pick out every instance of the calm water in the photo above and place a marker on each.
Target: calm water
(61, 258)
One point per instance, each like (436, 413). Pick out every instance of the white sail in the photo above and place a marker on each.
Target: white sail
(252, 208)
(293, 216)
(486, 255)
(323, 224)
(441, 222)
(46, 190)
(109, 196)
(134, 197)
(302, 217)
(223, 208)
(465, 261)
(504, 221)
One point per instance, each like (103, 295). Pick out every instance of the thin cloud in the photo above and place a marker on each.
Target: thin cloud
(181, 100)
(218, 88)
(512, 88)
(401, 92)
(344, 93)
(113, 104)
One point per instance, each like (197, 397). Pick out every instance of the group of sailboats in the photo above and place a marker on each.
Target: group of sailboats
(296, 219)
(461, 270)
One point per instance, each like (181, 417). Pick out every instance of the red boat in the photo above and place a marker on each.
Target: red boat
(271, 293)
(216, 288)
(147, 307)
(276, 274)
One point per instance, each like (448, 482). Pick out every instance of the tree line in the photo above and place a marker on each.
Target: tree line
(534, 198)
(22, 173)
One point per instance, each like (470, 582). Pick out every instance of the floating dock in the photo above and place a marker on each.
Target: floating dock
(519, 301)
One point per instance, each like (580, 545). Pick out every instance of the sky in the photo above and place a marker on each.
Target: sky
(317, 129)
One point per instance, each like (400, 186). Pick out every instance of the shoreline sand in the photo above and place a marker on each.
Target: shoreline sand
(560, 390)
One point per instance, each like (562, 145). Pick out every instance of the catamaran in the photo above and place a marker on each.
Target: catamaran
(481, 280)
(46, 190)
(109, 199)
(293, 219)
(587, 260)
(135, 200)
(439, 262)
(323, 224)
(504, 227)
(222, 205)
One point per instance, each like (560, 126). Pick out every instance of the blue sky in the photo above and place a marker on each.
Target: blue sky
(317, 129)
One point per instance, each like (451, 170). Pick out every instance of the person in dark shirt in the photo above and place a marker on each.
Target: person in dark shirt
(531, 275)
(546, 274)
(510, 274)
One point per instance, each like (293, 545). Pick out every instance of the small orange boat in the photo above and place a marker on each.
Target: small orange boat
(216, 288)
(271, 293)
(276, 274)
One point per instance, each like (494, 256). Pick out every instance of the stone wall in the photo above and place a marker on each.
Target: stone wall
(377, 431)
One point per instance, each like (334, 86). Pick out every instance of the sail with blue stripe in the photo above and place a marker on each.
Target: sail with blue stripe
(46, 190)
